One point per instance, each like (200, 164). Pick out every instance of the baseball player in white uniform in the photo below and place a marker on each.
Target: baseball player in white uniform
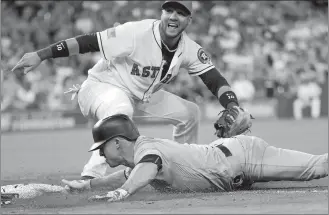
(226, 164)
(138, 59)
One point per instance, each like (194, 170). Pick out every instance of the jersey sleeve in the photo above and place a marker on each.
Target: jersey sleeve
(198, 61)
(146, 149)
(116, 41)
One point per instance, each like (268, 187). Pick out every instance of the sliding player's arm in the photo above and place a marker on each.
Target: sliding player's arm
(142, 174)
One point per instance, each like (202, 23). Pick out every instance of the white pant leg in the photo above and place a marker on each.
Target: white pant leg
(315, 107)
(263, 162)
(298, 106)
(99, 100)
(290, 165)
(184, 115)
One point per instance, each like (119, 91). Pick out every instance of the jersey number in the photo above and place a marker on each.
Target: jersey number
(60, 47)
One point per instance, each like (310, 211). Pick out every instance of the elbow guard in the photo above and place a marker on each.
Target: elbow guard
(213, 80)
(87, 43)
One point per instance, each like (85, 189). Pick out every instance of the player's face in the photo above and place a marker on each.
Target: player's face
(110, 151)
(174, 21)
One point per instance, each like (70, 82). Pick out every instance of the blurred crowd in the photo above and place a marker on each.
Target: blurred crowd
(262, 48)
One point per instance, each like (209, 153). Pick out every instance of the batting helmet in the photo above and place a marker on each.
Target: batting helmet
(118, 125)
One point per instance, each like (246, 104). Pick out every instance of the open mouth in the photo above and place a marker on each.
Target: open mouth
(172, 26)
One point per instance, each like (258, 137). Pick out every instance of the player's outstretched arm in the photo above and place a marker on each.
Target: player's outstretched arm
(112, 181)
(113, 42)
(65, 48)
(198, 63)
(140, 176)
(220, 88)
(234, 120)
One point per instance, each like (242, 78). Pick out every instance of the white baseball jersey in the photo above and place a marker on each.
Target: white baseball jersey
(132, 58)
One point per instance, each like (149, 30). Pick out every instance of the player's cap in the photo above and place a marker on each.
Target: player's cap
(185, 5)
(118, 125)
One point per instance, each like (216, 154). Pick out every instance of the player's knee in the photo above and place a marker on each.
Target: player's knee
(129, 111)
(84, 103)
(123, 109)
(193, 112)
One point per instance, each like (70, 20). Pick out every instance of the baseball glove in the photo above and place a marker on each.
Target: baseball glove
(233, 121)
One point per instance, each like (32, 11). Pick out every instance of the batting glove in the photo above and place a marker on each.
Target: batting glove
(77, 185)
(112, 196)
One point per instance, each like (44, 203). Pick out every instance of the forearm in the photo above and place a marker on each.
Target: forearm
(133, 184)
(72, 46)
(112, 181)
(221, 92)
(140, 177)
(220, 88)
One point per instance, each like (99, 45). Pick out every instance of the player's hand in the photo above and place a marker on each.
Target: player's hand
(76, 186)
(27, 63)
(99, 198)
(112, 196)
(233, 121)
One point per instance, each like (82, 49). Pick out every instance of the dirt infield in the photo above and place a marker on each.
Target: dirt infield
(47, 157)
(298, 200)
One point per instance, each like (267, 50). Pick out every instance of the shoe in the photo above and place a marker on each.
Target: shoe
(87, 177)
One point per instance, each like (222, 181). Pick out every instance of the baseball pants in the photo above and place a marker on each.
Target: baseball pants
(299, 104)
(260, 162)
(99, 100)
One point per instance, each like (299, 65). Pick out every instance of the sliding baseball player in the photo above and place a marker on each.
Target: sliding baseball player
(226, 164)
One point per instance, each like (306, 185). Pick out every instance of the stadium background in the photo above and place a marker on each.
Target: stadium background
(275, 46)
(264, 49)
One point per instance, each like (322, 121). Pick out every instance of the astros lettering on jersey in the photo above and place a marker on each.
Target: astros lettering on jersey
(133, 58)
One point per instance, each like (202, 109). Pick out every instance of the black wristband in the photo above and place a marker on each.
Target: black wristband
(60, 49)
(228, 97)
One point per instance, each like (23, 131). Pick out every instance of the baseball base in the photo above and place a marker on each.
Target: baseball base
(29, 191)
